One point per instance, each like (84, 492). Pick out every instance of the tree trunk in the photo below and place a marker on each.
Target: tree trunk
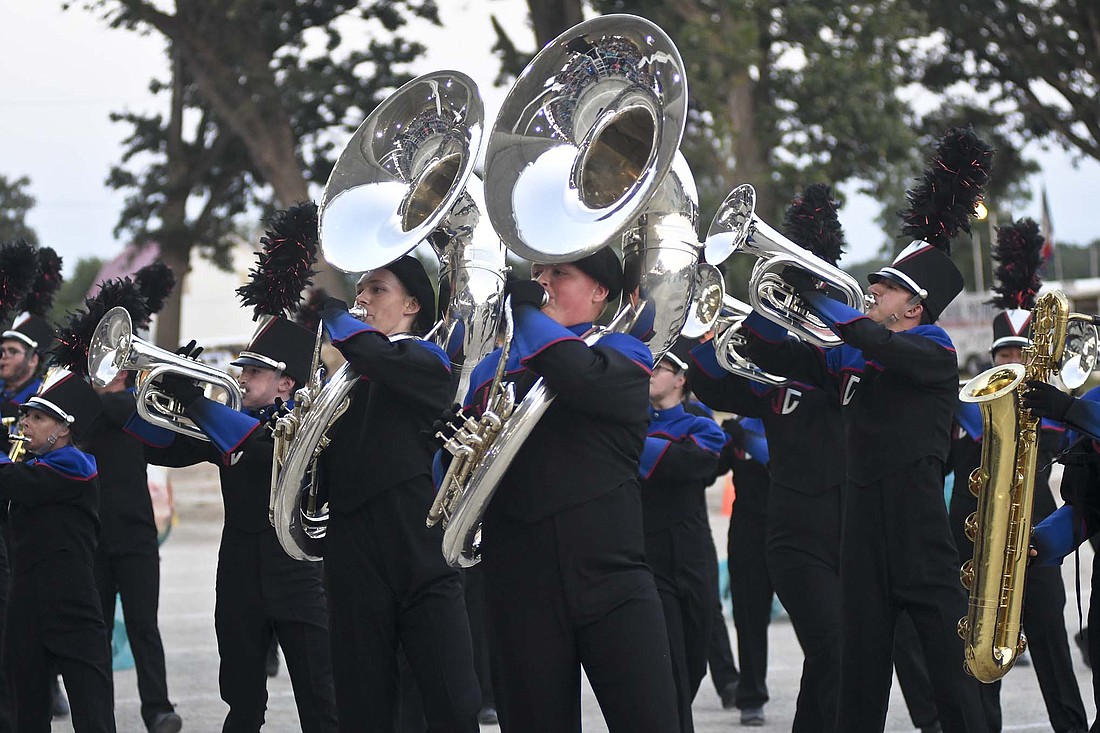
(553, 17)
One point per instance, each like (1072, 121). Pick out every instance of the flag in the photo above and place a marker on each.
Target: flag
(1047, 229)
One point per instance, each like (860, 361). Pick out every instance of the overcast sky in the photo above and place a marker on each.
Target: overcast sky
(63, 72)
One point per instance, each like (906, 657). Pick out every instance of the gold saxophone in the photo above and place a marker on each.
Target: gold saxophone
(1004, 485)
(18, 448)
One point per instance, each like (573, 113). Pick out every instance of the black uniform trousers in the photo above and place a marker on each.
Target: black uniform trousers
(1045, 627)
(574, 590)
(55, 624)
(474, 585)
(260, 591)
(5, 583)
(897, 553)
(685, 567)
(913, 679)
(388, 585)
(135, 577)
(751, 593)
(803, 559)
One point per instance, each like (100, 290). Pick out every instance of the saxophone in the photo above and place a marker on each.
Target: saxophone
(1004, 484)
(18, 449)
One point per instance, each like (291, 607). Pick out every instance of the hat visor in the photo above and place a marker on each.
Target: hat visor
(52, 410)
(875, 277)
(1009, 341)
(249, 361)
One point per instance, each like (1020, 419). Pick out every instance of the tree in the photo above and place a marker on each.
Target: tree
(277, 75)
(15, 202)
(1035, 60)
(70, 296)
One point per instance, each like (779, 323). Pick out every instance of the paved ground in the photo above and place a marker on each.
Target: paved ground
(186, 618)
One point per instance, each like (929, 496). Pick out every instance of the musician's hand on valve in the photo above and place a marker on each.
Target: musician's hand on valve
(180, 388)
(191, 351)
(526, 292)
(445, 428)
(1044, 400)
(799, 280)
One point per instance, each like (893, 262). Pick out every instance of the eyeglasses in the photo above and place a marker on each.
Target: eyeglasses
(12, 352)
(666, 368)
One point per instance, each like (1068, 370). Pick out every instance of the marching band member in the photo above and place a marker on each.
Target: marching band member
(127, 556)
(1018, 252)
(804, 505)
(54, 622)
(388, 584)
(896, 375)
(678, 464)
(260, 590)
(746, 455)
(566, 583)
(1062, 531)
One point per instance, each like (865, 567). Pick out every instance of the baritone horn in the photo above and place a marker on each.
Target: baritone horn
(715, 310)
(406, 176)
(584, 154)
(736, 228)
(114, 348)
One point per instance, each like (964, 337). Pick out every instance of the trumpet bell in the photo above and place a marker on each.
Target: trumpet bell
(401, 172)
(115, 348)
(584, 137)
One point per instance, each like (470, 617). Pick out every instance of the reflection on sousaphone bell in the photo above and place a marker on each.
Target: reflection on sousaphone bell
(114, 348)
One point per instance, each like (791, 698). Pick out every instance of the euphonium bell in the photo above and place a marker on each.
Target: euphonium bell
(114, 348)
(713, 309)
(737, 228)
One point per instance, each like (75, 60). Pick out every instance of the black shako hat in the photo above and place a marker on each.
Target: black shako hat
(603, 266)
(1011, 328)
(410, 271)
(34, 331)
(679, 354)
(927, 272)
(282, 345)
(67, 397)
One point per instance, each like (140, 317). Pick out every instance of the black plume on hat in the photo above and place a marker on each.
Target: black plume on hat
(284, 267)
(18, 265)
(950, 188)
(39, 298)
(155, 282)
(1018, 254)
(811, 222)
(75, 335)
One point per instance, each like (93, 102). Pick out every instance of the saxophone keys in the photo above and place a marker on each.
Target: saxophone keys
(966, 576)
(970, 527)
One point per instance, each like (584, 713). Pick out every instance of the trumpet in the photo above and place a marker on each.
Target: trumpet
(713, 309)
(114, 348)
(737, 228)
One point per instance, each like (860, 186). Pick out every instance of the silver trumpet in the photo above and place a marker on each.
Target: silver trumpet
(115, 348)
(736, 228)
(713, 309)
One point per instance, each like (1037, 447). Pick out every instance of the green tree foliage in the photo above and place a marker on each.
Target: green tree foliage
(271, 80)
(1037, 59)
(15, 202)
(70, 296)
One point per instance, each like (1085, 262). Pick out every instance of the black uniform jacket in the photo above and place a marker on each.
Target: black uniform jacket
(244, 461)
(590, 439)
(53, 507)
(384, 439)
(126, 509)
(678, 463)
(806, 438)
(898, 391)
